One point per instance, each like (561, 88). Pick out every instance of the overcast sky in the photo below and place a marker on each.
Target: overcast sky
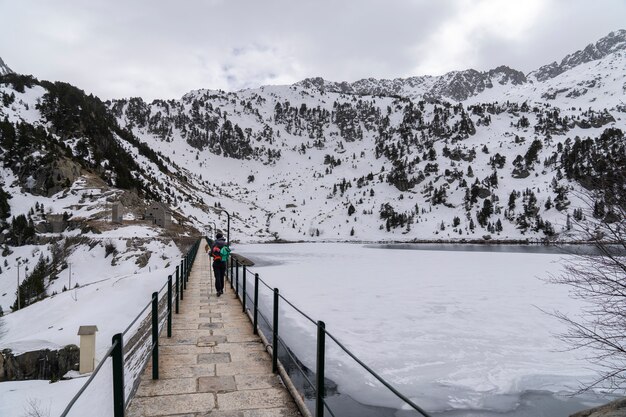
(163, 49)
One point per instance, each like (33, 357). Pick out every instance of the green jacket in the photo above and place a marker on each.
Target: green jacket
(225, 253)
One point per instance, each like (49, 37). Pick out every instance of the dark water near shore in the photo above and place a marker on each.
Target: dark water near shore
(501, 248)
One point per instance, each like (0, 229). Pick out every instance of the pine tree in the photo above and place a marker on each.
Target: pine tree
(548, 204)
(485, 212)
(512, 198)
(598, 209)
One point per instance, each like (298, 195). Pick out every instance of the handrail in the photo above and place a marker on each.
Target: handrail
(86, 384)
(115, 350)
(137, 318)
(324, 333)
(297, 309)
(378, 377)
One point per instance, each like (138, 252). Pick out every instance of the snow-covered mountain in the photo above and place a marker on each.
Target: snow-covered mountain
(463, 85)
(381, 159)
(613, 42)
(455, 85)
(4, 68)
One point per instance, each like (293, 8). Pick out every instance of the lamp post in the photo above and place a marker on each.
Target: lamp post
(18, 283)
(228, 228)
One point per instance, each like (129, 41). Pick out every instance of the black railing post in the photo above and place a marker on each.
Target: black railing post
(275, 334)
(183, 272)
(230, 275)
(118, 375)
(187, 266)
(169, 306)
(256, 303)
(186, 262)
(237, 277)
(155, 335)
(243, 286)
(177, 289)
(319, 374)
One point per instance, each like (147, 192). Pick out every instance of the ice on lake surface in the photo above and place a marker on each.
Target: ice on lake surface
(452, 330)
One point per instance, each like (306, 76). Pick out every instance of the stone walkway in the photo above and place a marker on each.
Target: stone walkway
(213, 365)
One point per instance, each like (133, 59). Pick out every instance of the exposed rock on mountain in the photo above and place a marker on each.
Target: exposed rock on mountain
(455, 85)
(4, 68)
(613, 42)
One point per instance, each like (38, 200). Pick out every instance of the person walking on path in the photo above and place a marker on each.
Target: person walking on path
(220, 252)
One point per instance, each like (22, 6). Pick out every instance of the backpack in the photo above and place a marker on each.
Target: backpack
(225, 253)
(217, 256)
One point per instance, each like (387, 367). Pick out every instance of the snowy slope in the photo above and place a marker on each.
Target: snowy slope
(292, 196)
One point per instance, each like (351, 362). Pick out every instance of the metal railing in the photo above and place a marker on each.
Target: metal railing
(317, 386)
(146, 328)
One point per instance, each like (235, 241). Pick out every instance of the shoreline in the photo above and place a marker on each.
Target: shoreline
(486, 242)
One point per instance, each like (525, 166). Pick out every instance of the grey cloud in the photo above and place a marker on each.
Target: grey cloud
(162, 49)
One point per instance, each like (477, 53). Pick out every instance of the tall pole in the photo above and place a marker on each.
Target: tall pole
(228, 224)
(228, 229)
(69, 282)
(18, 285)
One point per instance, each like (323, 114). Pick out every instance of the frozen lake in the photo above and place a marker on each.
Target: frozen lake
(461, 333)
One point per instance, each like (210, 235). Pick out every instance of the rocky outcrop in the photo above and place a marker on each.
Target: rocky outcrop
(613, 42)
(39, 364)
(4, 69)
(613, 409)
(455, 85)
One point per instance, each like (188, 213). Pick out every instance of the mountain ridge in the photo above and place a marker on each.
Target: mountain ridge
(613, 42)
(4, 68)
(460, 85)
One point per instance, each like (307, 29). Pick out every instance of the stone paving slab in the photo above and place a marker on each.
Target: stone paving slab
(213, 357)
(182, 371)
(213, 365)
(219, 384)
(246, 382)
(184, 349)
(151, 387)
(160, 405)
(253, 399)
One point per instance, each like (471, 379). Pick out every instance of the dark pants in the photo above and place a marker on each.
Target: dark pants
(219, 268)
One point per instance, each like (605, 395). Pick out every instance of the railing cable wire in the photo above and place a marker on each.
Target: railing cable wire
(86, 384)
(378, 377)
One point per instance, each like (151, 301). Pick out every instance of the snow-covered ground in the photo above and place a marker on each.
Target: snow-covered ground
(109, 296)
(451, 330)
